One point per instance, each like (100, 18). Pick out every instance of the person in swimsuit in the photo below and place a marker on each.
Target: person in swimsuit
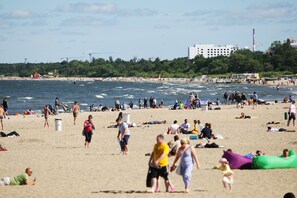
(75, 110)
(1, 116)
(270, 129)
(46, 112)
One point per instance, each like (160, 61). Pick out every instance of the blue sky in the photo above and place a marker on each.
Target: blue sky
(46, 31)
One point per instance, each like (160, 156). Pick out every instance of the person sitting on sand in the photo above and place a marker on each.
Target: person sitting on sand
(13, 133)
(206, 132)
(184, 128)
(196, 127)
(243, 116)
(174, 146)
(201, 127)
(29, 112)
(269, 129)
(227, 173)
(22, 179)
(174, 128)
(155, 122)
(285, 153)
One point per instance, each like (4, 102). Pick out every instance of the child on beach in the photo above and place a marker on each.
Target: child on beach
(227, 173)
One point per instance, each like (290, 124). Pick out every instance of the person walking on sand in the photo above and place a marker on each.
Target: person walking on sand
(75, 110)
(22, 179)
(88, 130)
(227, 173)
(46, 112)
(5, 106)
(159, 164)
(123, 135)
(188, 159)
(255, 99)
(292, 113)
(2, 113)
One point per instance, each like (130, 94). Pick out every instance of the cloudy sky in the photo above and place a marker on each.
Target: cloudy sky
(46, 31)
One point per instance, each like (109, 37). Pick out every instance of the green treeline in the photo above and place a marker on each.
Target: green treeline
(280, 57)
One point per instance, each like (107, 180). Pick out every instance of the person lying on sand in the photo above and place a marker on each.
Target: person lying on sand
(130, 125)
(2, 148)
(269, 129)
(13, 133)
(22, 179)
(251, 155)
(243, 116)
(272, 122)
(155, 122)
(208, 145)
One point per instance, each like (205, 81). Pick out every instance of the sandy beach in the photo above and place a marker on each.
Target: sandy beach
(64, 168)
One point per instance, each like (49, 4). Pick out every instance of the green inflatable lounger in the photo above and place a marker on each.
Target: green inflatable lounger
(275, 162)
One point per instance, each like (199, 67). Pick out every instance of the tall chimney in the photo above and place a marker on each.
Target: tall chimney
(254, 40)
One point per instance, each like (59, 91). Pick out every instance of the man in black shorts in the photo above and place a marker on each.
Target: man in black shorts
(159, 164)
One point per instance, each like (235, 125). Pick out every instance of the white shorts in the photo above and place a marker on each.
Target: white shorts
(5, 181)
(228, 180)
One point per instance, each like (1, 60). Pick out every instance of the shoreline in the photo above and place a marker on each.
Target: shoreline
(282, 82)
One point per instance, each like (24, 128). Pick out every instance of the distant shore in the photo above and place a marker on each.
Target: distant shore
(281, 82)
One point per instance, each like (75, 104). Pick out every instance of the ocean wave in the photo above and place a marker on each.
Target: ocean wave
(128, 96)
(99, 96)
(84, 104)
(25, 98)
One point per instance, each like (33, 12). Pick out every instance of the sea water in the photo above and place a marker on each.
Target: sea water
(31, 94)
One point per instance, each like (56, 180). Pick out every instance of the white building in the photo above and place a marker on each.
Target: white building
(294, 45)
(210, 50)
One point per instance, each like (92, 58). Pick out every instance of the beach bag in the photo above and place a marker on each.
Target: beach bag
(178, 170)
(149, 178)
(83, 132)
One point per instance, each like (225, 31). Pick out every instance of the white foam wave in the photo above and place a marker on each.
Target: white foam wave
(25, 98)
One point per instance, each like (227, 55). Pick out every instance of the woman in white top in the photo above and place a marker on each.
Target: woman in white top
(292, 113)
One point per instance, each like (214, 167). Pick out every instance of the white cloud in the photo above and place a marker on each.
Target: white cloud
(268, 13)
(141, 12)
(107, 9)
(159, 27)
(97, 8)
(87, 21)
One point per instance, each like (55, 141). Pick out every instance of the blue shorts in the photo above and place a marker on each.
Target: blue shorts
(126, 139)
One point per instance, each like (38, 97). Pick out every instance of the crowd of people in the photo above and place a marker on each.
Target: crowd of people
(180, 149)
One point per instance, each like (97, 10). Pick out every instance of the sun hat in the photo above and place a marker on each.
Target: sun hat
(223, 160)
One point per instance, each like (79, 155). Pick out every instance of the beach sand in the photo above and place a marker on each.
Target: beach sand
(64, 168)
